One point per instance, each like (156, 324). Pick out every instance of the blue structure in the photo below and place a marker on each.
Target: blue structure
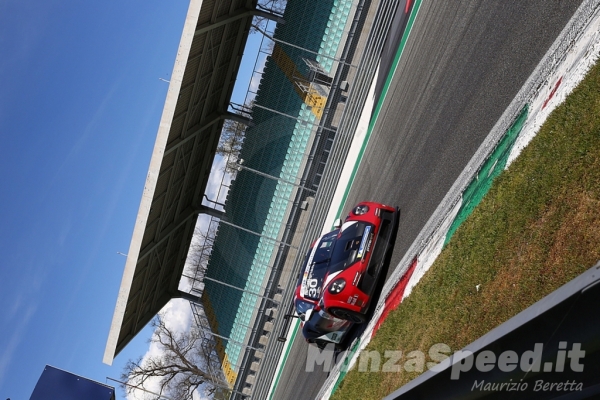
(56, 384)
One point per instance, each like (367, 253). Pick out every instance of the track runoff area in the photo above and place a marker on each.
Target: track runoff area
(560, 71)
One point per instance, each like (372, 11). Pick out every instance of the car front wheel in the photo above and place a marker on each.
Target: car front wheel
(348, 315)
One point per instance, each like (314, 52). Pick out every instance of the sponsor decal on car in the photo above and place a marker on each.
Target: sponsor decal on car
(356, 278)
(369, 243)
(366, 242)
(310, 285)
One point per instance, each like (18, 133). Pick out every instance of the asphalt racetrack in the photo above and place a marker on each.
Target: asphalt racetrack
(463, 64)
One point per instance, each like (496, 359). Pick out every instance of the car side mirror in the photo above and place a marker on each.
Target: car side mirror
(337, 224)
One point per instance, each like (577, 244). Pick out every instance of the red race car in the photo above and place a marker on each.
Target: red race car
(342, 268)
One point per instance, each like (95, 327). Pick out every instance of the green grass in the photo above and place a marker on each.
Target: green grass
(537, 228)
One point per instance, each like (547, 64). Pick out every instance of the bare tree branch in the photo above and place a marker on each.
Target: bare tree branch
(232, 138)
(180, 369)
(273, 6)
(199, 253)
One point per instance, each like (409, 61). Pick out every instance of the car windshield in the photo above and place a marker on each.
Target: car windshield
(323, 249)
(310, 279)
(322, 254)
(350, 246)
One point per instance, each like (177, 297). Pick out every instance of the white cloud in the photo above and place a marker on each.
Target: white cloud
(177, 315)
(255, 80)
(216, 188)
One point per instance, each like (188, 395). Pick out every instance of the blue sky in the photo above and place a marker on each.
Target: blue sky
(80, 104)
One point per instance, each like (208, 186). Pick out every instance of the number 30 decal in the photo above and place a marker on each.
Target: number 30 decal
(312, 287)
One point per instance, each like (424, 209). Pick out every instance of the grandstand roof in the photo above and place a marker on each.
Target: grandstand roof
(206, 66)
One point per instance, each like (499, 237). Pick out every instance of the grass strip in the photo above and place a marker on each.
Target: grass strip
(537, 228)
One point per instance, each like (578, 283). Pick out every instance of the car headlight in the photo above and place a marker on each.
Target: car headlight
(360, 209)
(337, 286)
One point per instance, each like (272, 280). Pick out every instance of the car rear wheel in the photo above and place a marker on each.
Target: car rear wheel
(348, 315)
